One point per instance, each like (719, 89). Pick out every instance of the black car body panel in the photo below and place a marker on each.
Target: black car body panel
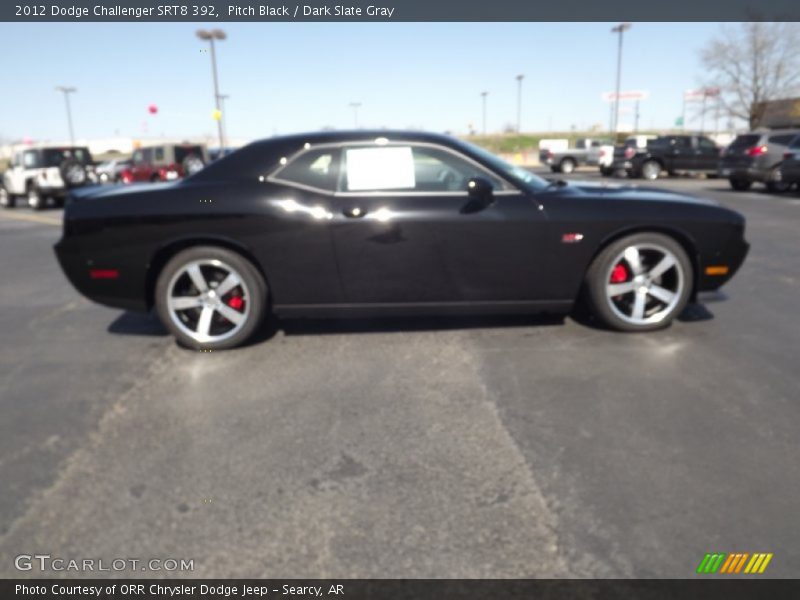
(528, 250)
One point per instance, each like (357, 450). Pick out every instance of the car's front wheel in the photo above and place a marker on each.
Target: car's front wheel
(210, 298)
(640, 282)
(35, 198)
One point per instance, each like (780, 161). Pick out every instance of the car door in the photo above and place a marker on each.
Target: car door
(706, 154)
(680, 155)
(406, 230)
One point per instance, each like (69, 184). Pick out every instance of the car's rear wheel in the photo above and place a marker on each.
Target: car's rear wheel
(606, 171)
(775, 182)
(35, 198)
(640, 282)
(651, 170)
(7, 200)
(566, 166)
(740, 185)
(210, 298)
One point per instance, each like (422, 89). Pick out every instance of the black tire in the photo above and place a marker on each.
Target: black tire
(606, 171)
(775, 183)
(602, 305)
(566, 166)
(555, 168)
(651, 170)
(192, 164)
(35, 198)
(7, 200)
(740, 185)
(254, 285)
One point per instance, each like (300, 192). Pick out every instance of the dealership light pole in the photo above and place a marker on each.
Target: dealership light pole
(519, 102)
(210, 36)
(222, 98)
(620, 29)
(354, 106)
(483, 96)
(67, 91)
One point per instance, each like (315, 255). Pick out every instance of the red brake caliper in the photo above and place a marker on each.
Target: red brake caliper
(619, 274)
(236, 302)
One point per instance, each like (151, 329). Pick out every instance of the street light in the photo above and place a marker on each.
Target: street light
(620, 29)
(222, 98)
(483, 95)
(67, 91)
(354, 106)
(519, 102)
(210, 36)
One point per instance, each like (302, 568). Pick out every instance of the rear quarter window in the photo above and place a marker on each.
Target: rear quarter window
(782, 140)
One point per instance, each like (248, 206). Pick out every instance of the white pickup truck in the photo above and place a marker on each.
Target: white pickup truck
(587, 151)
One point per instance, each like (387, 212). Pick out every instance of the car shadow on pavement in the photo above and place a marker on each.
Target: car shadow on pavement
(134, 323)
(413, 324)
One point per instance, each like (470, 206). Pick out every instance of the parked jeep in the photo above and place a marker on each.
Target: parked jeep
(39, 174)
(165, 162)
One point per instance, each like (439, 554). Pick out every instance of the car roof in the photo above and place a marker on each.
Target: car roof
(358, 135)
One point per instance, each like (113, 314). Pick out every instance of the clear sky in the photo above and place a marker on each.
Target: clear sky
(288, 77)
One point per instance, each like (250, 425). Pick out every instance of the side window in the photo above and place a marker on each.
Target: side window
(137, 157)
(783, 140)
(409, 169)
(16, 160)
(706, 143)
(147, 155)
(318, 168)
(379, 168)
(437, 170)
(30, 160)
(158, 153)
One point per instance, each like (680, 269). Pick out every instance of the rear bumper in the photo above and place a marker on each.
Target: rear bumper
(790, 172)
(742, 172)
(115, 293)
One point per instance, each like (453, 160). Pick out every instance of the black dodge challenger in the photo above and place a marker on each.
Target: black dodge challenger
(376, 222)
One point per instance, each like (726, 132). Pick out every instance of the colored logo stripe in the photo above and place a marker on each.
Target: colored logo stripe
(734, 563)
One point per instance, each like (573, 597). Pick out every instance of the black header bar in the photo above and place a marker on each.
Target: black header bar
(399, 10)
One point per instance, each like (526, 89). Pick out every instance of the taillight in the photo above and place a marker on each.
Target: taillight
(756, 151)
(629, 152)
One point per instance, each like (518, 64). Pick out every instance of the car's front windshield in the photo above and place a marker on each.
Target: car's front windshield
(514, 173)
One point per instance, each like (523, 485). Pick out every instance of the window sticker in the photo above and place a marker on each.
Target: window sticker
(387, 168)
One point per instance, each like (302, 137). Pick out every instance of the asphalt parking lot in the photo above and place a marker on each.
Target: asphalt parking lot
(492, 447)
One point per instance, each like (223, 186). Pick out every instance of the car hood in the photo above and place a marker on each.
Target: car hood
(115, 191)
(635, 192)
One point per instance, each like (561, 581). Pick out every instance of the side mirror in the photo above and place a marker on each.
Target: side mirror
(480, 189)
(480, 194)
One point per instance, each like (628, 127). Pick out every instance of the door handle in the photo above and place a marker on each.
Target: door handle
(354, 212)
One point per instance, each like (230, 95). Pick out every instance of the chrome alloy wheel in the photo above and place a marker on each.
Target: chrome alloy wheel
(208, 300)
(644, 284)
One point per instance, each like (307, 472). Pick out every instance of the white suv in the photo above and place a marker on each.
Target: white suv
(39, 174)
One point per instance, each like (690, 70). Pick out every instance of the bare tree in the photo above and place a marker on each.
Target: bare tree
(752, 63)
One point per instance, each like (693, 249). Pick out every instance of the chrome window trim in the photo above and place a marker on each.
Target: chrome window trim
(274, 176)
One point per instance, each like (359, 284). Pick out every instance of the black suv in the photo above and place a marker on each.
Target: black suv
(672, 153)
(757, 156)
